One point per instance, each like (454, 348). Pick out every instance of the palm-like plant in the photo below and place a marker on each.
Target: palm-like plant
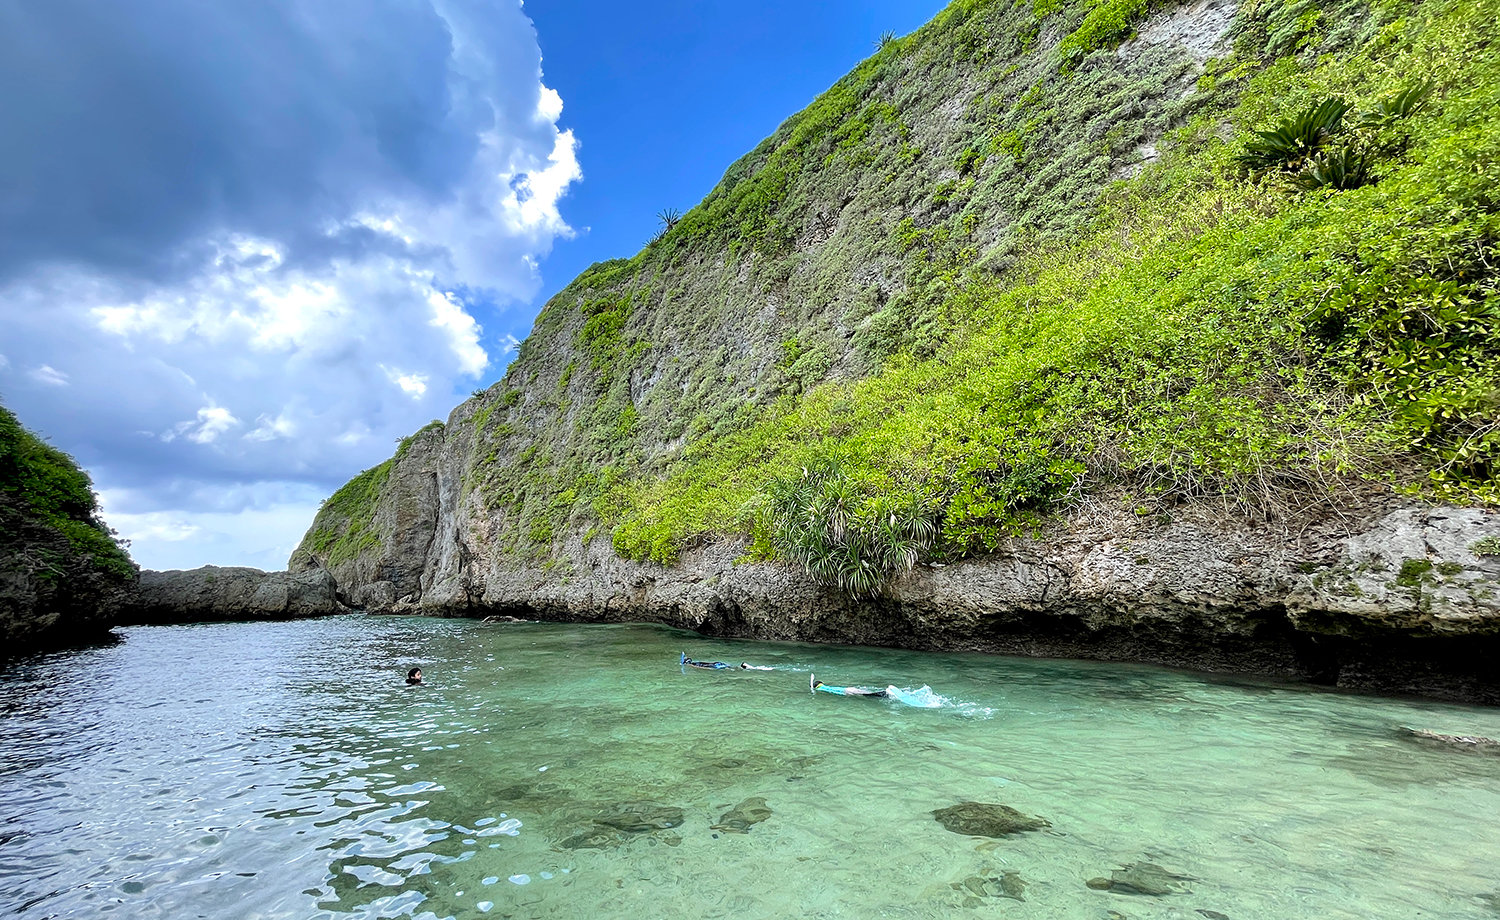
(846, 539)
(886, 38)
(1297, 139)
(1402, 105)
(1342, 168)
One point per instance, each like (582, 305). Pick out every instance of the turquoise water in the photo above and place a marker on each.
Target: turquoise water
(283, 770)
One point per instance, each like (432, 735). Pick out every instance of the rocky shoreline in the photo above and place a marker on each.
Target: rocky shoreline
(1390, 597)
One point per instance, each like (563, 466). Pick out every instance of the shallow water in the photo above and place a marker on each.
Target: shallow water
(283, 770)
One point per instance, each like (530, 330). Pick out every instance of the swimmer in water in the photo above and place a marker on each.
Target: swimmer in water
(414, 676)
(819, 687)
(745, 666)
(685, 661)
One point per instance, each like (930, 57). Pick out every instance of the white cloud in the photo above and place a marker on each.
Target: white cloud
(414, 385)
(269, 429)
(205, 428)
(319, 266)
(461, 329)
(4, 363)
(261, 529)
(511, 344)
(49, 376)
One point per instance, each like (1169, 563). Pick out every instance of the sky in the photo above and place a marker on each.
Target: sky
(246, 247)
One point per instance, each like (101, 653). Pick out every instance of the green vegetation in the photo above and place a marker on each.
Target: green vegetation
(1413, 572)
(981, 279)
(42, 487)
(1489, 546)
(346, 521)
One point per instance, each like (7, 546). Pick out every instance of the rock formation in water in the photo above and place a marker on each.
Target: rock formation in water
(63, 577)
(1022, 339)
(233, 593)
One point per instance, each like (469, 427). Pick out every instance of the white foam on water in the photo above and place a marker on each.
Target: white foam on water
(520, 879)
(924, 698)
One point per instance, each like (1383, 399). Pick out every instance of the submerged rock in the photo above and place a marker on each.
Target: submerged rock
(1213, 914)
(745, 815)
(1100, 883)
(598, 837)
(1473, 743)
(1146, 878)
(639, 817)
(979, 819)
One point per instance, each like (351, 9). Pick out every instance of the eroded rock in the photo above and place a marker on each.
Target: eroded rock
(745, 815)
(1146, 878)
(231, 593)
(979, 819)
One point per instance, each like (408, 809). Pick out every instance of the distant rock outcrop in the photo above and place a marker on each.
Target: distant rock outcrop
(214, 593)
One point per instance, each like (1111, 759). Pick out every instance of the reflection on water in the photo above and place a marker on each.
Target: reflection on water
(286, 771)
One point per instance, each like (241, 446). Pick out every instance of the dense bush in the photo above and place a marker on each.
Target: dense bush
(44, 486)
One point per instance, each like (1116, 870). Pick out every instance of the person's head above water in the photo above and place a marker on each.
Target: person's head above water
(414, 676)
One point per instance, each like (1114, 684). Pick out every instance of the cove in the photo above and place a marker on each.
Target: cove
(283, 770)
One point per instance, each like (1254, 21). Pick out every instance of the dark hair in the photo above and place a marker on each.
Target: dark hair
(413, 673)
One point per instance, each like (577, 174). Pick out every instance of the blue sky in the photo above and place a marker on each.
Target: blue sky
(245, 247)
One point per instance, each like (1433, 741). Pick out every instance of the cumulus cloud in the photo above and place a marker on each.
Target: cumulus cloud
(268, 235)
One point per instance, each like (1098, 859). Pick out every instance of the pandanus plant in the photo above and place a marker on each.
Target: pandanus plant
(1297, 139)
(846, 538)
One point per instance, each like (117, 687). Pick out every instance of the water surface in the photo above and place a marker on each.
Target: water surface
(283, 770)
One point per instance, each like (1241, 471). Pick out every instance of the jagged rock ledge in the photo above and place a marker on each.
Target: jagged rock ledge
(234, 593)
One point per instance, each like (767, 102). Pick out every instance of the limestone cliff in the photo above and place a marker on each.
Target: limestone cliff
(1012, 341)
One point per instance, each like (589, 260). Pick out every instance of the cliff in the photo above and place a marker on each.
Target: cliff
(63, 576)
(1081, 328)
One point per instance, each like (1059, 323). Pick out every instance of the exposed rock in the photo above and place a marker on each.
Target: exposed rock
(489, 512)
(978, 819)
(745, 815)
(1201, 29)
(215, 593)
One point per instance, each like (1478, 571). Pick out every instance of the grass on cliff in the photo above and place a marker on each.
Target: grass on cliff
(1215, 334)
(46, 485)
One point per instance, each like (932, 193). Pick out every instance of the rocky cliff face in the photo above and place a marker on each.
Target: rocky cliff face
(1191, 497)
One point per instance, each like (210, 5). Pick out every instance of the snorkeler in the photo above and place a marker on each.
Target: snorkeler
(746, 666)
(819, 686)
(705, 665)
(414, 676)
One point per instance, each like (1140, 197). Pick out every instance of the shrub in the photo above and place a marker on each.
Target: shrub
(845, 535)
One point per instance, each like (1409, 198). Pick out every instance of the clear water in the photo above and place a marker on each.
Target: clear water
(284, 771)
